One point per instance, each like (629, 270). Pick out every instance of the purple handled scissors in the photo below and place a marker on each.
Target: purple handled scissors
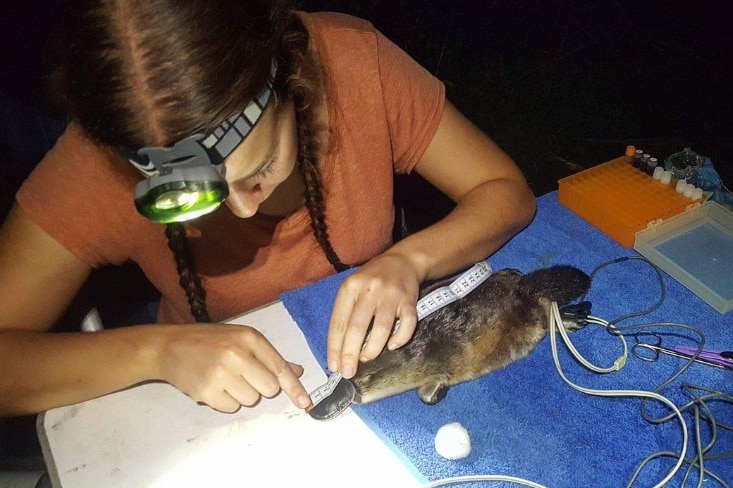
(648, 347)
(723, 358)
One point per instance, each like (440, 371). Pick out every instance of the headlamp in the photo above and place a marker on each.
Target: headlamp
(186, 180)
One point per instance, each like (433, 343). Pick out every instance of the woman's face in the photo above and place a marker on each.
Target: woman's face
(257, 169)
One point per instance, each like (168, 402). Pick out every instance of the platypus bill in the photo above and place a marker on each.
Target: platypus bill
(499, 322)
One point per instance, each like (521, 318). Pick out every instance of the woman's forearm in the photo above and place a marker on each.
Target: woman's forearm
(484, 220)
(43, 370)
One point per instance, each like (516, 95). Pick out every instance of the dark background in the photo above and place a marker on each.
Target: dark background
(563, 85)
(560, 85)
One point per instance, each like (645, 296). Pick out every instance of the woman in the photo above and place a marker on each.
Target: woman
(302, 119)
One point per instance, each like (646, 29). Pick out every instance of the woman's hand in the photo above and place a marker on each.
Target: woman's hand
(367, 306)
(226, 366)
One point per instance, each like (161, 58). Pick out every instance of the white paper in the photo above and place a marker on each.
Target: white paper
(155, 436)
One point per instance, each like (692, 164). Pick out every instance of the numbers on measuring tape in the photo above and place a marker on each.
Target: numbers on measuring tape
(463, 285)
(325, 389)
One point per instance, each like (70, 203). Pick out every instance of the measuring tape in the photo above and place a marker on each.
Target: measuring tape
(463, 285)
(325, 389)
(433, 301)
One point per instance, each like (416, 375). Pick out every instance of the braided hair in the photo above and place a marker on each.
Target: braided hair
(187, 276)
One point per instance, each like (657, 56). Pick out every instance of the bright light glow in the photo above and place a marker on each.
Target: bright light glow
(176, 199)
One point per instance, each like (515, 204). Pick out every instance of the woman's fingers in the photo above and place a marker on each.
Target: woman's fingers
(286, 379)
(240, 391)
(260, 381)
(228, 366)
(404, 328)
(223, 402)
(340, 316)
(382, 326)
(296, 368)
(271, 373)
(367, 307)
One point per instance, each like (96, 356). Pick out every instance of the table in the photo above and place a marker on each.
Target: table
(523, 420)
(526, 422)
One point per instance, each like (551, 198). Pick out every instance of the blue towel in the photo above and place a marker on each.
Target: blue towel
(524, 421)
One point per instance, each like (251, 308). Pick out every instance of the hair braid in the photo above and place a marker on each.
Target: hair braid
(304, 89)
(313, 193)
(188, 278)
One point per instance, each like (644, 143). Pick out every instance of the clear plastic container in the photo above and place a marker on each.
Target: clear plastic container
(696, 249)
(684, 165)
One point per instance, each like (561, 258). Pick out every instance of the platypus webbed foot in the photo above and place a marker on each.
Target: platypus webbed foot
(574, 315)
(572, 325)
(432, 393)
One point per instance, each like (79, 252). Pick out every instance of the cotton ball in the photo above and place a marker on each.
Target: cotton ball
(452, 441)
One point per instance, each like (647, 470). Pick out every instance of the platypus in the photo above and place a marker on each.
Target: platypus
(499, 322)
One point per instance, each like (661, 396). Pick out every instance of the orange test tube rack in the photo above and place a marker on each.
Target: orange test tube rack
(620, 200)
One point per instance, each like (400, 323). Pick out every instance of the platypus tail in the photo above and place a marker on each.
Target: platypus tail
(561, 284)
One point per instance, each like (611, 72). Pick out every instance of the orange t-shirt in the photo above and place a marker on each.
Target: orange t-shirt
(383, 110)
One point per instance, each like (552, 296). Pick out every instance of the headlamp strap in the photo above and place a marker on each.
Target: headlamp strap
(214, 148)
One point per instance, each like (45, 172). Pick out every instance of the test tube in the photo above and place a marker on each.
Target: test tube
(637, 157)
(696, 194)
(680, 188)
(666, 177)
(657, 174)
(630, 153)
(644, 164)
(689, 188)
(651, 165)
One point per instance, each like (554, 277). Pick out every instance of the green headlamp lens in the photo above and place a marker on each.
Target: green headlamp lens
(186, 180)
(180, 201)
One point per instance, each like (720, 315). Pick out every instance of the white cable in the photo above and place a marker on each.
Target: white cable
(556, 319)
(617, 365)
(472, 478)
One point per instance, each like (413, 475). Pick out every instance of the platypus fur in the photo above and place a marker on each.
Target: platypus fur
(499, 322)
